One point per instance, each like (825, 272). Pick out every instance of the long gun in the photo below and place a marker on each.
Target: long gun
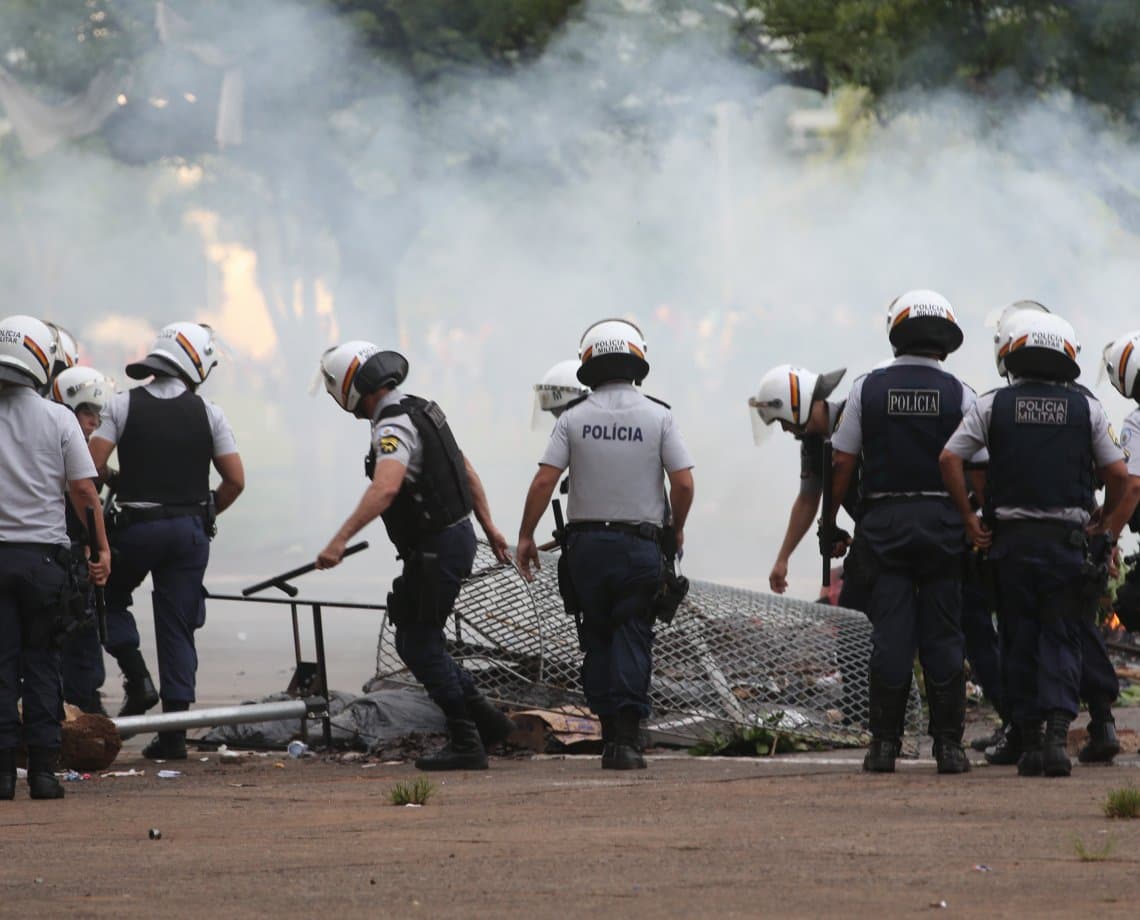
(825, 545)
(281, 581)
(100, 597)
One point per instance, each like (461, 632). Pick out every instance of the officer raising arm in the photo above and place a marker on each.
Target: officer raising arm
(619, 446)
(42, 451)
(425, 489)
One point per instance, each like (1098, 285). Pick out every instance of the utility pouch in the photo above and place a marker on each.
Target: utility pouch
(210, 515)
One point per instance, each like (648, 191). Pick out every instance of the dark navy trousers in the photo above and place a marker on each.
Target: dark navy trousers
(419, 639)
(174, 552)
(1038, 581)
(982, 641)
(32, 587)
(81, 661)
(916, 596)
(615, 576)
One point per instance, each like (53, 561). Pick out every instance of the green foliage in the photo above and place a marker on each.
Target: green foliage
(991, 46)
(414, 793)
(748, 742)
(1123, 803)
(1086, 854)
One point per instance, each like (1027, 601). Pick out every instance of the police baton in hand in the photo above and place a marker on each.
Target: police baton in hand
(281, 581)
(100, 597)
(825, 516)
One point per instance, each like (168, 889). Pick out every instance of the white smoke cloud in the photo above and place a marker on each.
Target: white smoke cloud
(635, 169)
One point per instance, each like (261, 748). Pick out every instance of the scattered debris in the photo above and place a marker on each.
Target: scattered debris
(130, 772)
(168, 774)
(154, 833)
(297, 749)
(981, 867)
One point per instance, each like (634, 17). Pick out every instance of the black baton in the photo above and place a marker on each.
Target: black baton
(100, 598)
(279, 581)
(825, 545)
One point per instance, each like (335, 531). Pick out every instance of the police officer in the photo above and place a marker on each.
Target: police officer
(1122, 365)
(899, 417)
(1045, 437)
(558, 388)
(167, 438)
(797, 398)
(1099, 686)
(619, 446)
(42, 452)
(424, 488)
(85, 391)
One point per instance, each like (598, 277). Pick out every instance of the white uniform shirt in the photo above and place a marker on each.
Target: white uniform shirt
(1130, 441)
(396, 438)
(974, 433)
(618, 445)
(42, 448)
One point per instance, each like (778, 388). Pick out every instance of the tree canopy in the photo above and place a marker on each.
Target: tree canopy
(995, 47)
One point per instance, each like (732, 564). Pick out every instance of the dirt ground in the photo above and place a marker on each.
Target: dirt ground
(801, 835)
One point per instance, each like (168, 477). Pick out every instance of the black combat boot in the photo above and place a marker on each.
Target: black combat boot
(1054, 756)
(139, 693)
(42, 783)
(168, 745)
(464, 749)
(627, 742)
(1029, 762)
(887, 715)
(494, 726)
(1103, 745)
(947, 702)
(609, 733)
(7, 774)
(1008, 750)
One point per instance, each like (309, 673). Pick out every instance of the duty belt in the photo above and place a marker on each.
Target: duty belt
(61, 554)
(127, 515)
(1059, 531)
(874, 501)
(644, 531)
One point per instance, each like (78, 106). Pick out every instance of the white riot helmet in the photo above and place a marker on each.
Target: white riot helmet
(27, 351)
(67, 348)
(921, 321)
(786, 395)
(1122, 364)
(82, 386)
(612, 349)
(358, 368)
(559, 388)
(1042, 345)
(185, 350)
(1004, 322)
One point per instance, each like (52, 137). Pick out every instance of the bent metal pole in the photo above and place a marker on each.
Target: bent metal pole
(221, 715)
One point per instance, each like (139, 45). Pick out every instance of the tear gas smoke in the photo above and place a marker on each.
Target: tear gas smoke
(635, 169)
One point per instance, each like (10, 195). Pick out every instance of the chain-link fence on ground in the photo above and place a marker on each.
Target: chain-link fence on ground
(732, 659)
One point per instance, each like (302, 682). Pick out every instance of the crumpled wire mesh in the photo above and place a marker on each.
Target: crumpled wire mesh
(731, 659)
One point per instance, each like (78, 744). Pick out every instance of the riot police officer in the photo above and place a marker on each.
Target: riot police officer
(558, 388)
(619, 446)
(42, 452)
(1099, 686)
(85, 391)
(899, 417)
(425, 489)
(167, 438)
(1045, 438)
(797, 398)
(1122, 365)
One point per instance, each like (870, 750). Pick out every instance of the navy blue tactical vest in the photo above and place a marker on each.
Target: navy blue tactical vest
(1041, 447)
(909, 412)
